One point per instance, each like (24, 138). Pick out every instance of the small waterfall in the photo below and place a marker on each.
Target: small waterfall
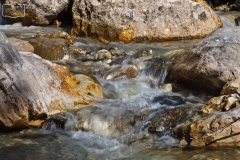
(226, 22)
(156, 72)
(1, 18)
(228, 18)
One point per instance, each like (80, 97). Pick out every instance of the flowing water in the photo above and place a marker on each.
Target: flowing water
(229, 19)
(115, 127)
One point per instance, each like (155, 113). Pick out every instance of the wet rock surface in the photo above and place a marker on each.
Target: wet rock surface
(221, 103)
(165, 121)
(149, 20)
(217, 125)
(220, 129)
(52, 46)
(49, 48)
(211, 64)
(32, 87)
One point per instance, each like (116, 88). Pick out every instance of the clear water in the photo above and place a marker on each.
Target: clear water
(107, 128)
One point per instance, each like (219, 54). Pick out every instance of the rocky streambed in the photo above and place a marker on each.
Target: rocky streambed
(83, 98)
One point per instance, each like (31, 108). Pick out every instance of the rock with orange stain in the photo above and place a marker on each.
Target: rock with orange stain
(32, 88)
(35, 123)
(127, 35)
(34, 12)
(133, 20)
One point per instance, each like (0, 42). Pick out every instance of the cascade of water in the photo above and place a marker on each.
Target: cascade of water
(226, 22)
(228, 18)
(155, 73)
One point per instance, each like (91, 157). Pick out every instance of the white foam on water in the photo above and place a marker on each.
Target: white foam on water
(166, 141)
(17, 27)
(79, 44)
(228, 21)
(96, 144)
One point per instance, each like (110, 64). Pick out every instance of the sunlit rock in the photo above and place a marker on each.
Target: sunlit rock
(220, 129)
(133, 20)
(61, 34)
(215, 104)
(88, 88)
(211, 64)
(129, 71)
(223, 8)
(221, 103)
(49, 48)
(35, 13)
(32, 88)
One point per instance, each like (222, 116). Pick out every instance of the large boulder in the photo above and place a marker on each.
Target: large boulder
(36, 12)
(31, 88)
(219, 129)
(121, 20)
(212, 64)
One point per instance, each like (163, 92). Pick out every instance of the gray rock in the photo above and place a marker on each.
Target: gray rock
(121, 20)
(212, 64)
(219, 129)
(31, 88)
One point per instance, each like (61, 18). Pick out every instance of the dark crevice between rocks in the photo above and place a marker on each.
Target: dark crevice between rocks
(65, 16)
(2, 19)
(195, 84)
(216, 3)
